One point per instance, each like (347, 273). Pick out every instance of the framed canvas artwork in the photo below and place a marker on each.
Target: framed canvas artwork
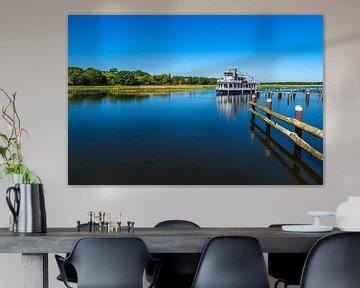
(195, 100)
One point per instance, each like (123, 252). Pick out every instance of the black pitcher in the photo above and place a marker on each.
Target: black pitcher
(28, 208)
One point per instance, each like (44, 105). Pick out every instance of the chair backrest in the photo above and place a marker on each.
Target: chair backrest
(176, 224)
(110, 262)
(333, 262)
(232, 262)
(177, 268)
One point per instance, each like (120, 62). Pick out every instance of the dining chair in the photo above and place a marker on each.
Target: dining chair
(333, 262)
(232, 262)
(286, 267)
(108, 263)
(178, 269)
(70, 271)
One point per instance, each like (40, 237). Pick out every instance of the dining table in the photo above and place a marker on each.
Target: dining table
(35, 247)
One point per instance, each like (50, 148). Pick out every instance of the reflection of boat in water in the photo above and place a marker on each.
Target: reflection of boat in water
(234, 82)
(230, 106)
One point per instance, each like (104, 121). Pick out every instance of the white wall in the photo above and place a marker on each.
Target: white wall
(33, 62)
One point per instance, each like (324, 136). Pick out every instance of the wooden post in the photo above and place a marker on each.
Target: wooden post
(307, 97)
(279, 93)
(269, 106)
(253, 99)
(298, 131)
(299, 116)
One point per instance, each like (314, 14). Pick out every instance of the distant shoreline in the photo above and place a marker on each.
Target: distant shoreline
(167, 88)
(289, 85)
(139, 88)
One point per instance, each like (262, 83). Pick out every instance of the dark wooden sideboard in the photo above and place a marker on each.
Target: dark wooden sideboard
(35, 247)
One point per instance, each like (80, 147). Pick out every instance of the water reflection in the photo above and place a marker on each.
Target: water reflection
(291, 162)
(231, 105)
(96, 95)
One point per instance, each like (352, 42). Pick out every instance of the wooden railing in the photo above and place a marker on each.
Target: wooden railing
(299, 126)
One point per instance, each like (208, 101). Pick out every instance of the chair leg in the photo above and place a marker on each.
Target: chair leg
(277, 283)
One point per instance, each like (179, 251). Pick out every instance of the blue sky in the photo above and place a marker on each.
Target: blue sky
(269, 47)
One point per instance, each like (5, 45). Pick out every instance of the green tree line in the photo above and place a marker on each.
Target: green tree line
(93, 77)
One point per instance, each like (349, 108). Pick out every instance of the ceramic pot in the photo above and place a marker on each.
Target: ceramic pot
(348, 215)
(27, 204)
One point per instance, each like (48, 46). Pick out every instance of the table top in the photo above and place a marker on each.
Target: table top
(158, 240)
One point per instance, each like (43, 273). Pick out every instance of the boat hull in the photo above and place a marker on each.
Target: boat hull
(234, 92)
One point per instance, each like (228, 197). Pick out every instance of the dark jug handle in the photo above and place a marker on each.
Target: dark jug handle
(13, 208)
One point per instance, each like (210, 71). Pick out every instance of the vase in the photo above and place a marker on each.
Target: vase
(27, 204)
(348, 214)
(13, 179)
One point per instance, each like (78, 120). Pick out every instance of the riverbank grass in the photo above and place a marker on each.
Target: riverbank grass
(141, 88)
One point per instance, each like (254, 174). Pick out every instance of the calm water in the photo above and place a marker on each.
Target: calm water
(187, 138)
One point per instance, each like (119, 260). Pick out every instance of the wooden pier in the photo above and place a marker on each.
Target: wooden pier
(299, 126)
